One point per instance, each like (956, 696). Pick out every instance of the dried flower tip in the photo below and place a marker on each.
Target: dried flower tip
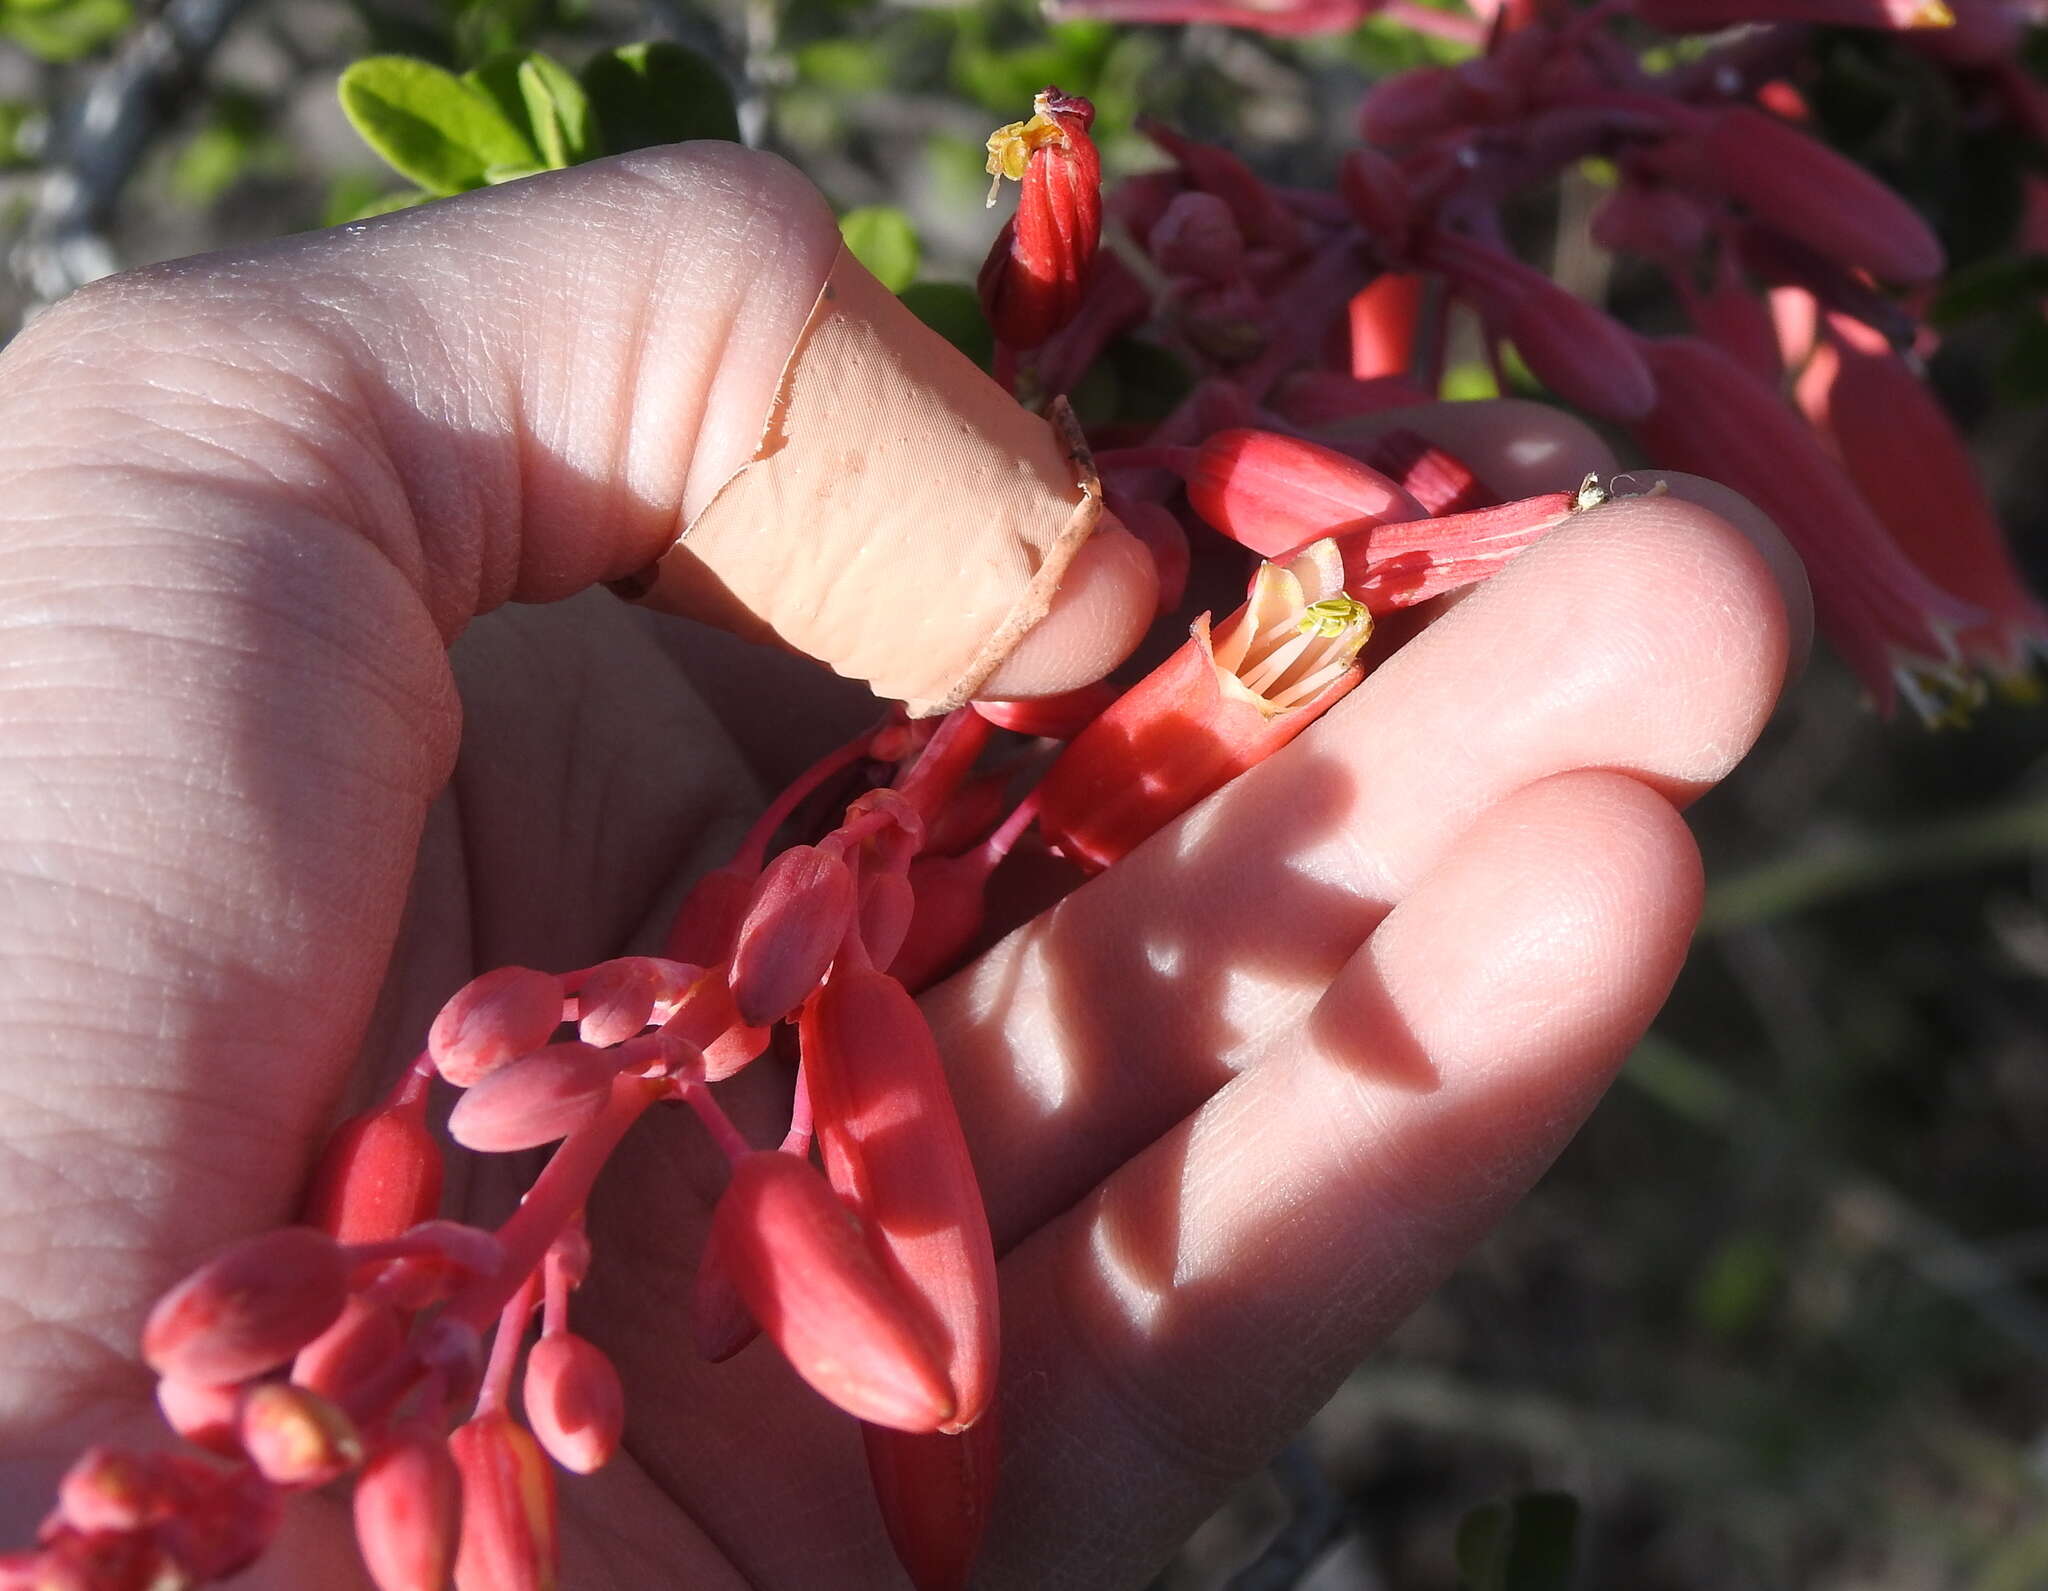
(408, 1507)
(535, 1101)
(574, 1401)
(509, 1540)
(249, 1309)
(295, 1437)
(492, 1020)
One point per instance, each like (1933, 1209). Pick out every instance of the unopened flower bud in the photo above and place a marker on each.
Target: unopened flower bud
(1271, 492)
(248, 1309)
(408, 1509)
(1386, 320)
(702, 933)
(109, 1488)
(799, 1259)
(1059, 717)
(203, 1415)
(936, 1494)
(534, 1101)
(295, 1437)
(379, 1174)
(366, 1336)
(493, 1019)
(617, 998)
(1197, 236)
(1650, 219)
(800, 911)
(1379, 200)
(509, 1539)
(574, 1401)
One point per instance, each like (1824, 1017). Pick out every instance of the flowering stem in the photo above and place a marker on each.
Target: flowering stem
(731, 1143)
(797, 1141)
(497, 1383)
(755, 846)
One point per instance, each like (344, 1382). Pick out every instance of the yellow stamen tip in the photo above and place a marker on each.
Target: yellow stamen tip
(1331, 617)
(1933, 14)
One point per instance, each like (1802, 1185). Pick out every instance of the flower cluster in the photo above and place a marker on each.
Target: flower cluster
(351, 1344)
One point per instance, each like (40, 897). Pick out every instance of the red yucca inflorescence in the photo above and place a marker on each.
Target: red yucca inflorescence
(378, 1342)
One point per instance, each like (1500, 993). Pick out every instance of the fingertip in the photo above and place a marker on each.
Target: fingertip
(1786, 566)
(1104, 605)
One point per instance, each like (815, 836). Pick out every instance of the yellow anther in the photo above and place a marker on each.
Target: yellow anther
(1011, 147)
(1331, 617)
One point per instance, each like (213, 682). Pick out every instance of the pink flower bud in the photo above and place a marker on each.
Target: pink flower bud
(805, 1270)
(364, 1338)
(1650, 219)
(408, 1507)
(1036, 273)
(574, 1401)
(109, 1489)
(1810, 193)
(379, 1174)
(249, 1309)
(1735, 319)
(801, 909)
(719, 1319)
(1385, 317)
(1262, 217)
(976, 807)
(295, 1437)
(886, 905)
(936, 1494)
(203, 1415)
(498, 1017)
(1271, 492)
(1379, 200)
(221, 1520)
(509, 1540)
(616, 999)
(1197, 236)
(1415, 105)
(893, 1148)
(546, 1096)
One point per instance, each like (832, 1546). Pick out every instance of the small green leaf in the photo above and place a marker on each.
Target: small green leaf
(385, 204)
(1526, 1543)
(2005, 282)
(63, 30)
(661, 93)
(443, 133)
(558, 111)
(882, 238)
(501, 174)
(953, 310)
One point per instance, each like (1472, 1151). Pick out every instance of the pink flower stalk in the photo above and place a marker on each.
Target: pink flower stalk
(408, 1510)
(509, 1540)
(1916, 473)
(1218, 706)
(493, 1019)
(936, 1494)
(1710, 16)
(249, 1309)
(894, 1150)
(1035, 275)
(802, 1264)
(1714, 418)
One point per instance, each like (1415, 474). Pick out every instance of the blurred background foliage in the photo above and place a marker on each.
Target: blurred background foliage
(1780, 1316)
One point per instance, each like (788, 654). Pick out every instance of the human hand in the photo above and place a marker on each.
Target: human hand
(1236, 1105)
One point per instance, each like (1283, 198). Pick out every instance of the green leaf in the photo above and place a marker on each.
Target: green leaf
(384, 204)
(63, 30)
(434, 128)
(953, 310)
(882, 238)
(1525, 1543)
(557, 111)
(852, 66)
(661, 93)
(2006, 282)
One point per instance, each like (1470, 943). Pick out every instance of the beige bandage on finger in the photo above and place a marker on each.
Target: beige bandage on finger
(902, 520)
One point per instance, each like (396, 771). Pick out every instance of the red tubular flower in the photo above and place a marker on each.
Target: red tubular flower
(1385, 316)
(801, 1262)
(509, 1540)
(935, 1494)
(1805, 190)
(1736, 320)
(1439, 480)
(1396, 566)
(894, 1150)
(1059, 717)
(408, 1507)
(1271, 492)
(1215, 708)
(1715, 419)
(380, 1173)
(1916, 473)
(1035, 274)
